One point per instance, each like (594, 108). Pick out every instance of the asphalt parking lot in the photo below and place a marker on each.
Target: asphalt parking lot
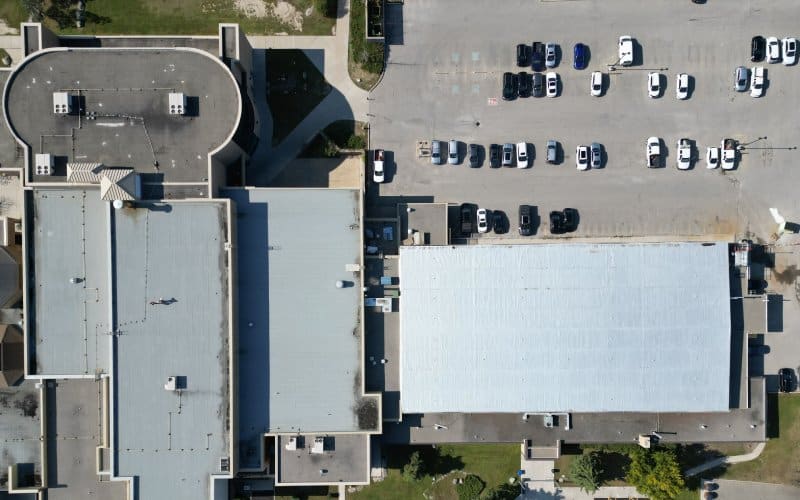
(447, 63)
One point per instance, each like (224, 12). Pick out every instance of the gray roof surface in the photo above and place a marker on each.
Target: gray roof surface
(20, 428)
(73, 415)
(565, 327)
(128, 89)
(8, 145)
(298, 242)
(171, 440)
(9, 278)
(71, 319)
(345, 459)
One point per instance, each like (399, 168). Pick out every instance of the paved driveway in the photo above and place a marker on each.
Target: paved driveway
(439, 81)
(747, 490)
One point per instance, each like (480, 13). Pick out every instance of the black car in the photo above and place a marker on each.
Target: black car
(499, 222)
(494, 155)
(538, 85)
(556, 222)
(509, 89)
(537, 59)
(467, 216)
(474, 156)
(525, 223)
(525, 83)
(785, 378)
(757, 48)
(522, 55)
(570, 219)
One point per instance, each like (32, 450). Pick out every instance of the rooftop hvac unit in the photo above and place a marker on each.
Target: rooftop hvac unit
(44, 164)
(62, 103)
(172, 384)
(177, 103)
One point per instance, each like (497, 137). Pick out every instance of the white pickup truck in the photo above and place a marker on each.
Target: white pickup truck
(684, 154)
(378, 174)
(653, 151)
(728, 154)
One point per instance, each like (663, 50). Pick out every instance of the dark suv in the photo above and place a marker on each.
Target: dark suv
(570, 219)
(557, 222)
(525, 223)
(509, 87)
(785, 379)
(494, 155)
(524, 84)
(538, 85)
(757, 48)
(538, 56)
(522, 55)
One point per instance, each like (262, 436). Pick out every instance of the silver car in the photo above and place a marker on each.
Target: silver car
(508, 155)
(740, 79)
(436, 152)
(452, 152)
(594, 148)
(550, 55)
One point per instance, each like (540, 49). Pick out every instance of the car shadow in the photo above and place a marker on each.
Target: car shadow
(638, 53)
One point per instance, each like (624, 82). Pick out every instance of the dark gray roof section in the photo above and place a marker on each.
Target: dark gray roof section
(74, 431)
(127, 90)
(70, 273)
(10, 152)
(20, 429)
(301, 335)
(10, 286)
(172, 297)
(208, 44)
(343, 458)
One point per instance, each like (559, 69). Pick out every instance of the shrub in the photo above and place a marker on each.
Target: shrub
(325, 7)
(356, 142)
(412, 471)
(503, 492)
(471, 488)
(586, 471)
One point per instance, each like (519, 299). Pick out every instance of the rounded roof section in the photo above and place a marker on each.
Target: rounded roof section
(124, 100)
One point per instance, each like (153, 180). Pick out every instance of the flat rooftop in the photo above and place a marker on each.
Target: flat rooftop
(127, 92)
(171, 273)
(344, 458)
(20, 429)
(69, 239)
(300, 337)
(565, 327)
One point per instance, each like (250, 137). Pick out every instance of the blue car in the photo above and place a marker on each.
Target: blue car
(579, 56)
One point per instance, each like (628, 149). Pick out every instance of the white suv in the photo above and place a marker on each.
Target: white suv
(625, 50)
(522, 155)
(757, 82)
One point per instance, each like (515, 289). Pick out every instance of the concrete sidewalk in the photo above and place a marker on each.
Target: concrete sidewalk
(726, 460)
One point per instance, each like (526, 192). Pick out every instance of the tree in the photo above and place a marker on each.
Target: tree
(470, 488)
(586, 471)
(503, 492)
(655, 473)
(412, 471)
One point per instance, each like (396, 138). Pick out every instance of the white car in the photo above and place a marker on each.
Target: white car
(552, 84)
(773, 50)
(712, 158)
(757, 82)
(684, 154)
(522, 155)
(789, 51)
(625, 50)
(682, 86)
(728, 154)
(483, 221)
(582, 157)
(654, 84)
(597, 84)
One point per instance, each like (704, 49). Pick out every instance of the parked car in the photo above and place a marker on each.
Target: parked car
(522, 55)
(682, 86)
(537, 57)
(452, 152)
(596, 155)
(525, 84)
(436, 152)
(757, 48)
(625, 50)
(552, 84)
(712, 158)
(509, 93)
(556, 222)
(522, 155)
(483, 221)
(494, 155)
(654, 84)
(550, 55)
(773, 50)
(740, 77)
(785, 379)
(582, 157)
(552, 151)
(579, 54)
(597, 84)
(684, 154)
(499, 222)
(728, 156)
(570, 219)
(474, 156)
(538, 85)
(525, 221)
(378, 172)
(467, 217)
(757, 82)
(508, 155)
(789, 51)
